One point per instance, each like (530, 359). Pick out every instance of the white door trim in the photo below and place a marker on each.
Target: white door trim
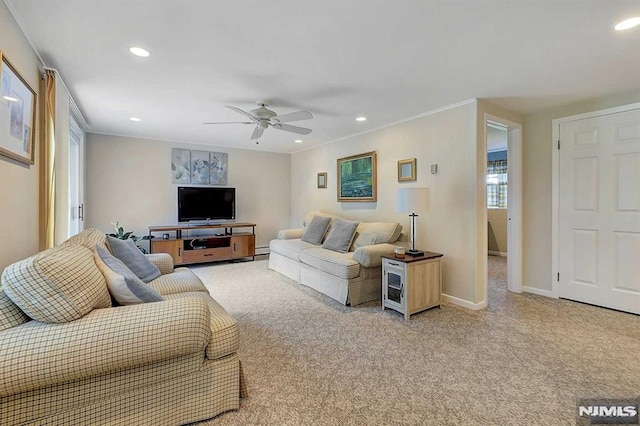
(514, 201)
(555, 183)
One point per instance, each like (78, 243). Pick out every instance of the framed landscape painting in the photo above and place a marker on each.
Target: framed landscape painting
(357, 178)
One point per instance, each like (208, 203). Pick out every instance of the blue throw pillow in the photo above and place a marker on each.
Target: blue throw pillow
(124, 286)
(130, 255)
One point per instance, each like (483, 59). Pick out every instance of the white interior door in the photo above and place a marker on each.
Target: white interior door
(599, 211)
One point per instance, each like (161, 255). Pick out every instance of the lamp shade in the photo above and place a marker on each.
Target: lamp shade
(412, 200)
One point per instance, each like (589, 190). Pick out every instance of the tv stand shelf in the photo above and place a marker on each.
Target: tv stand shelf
(189, 244)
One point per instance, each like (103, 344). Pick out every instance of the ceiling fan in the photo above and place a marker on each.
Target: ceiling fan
(262, 118)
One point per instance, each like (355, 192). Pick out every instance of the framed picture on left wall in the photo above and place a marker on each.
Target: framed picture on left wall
(17, 114)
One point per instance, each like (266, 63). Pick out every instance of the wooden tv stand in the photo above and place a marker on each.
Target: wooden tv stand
(204, 243)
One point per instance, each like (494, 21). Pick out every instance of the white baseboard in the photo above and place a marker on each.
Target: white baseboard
(464, 303)
(497, 253)
(262, 250)
(538, 291)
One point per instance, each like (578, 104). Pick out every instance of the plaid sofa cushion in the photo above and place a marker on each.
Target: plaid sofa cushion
(88, 238)
(57, 285)
(10, 313)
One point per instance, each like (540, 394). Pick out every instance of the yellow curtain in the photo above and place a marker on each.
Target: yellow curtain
(47, 164)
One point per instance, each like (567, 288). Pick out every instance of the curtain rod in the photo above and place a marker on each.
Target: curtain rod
(72, 103)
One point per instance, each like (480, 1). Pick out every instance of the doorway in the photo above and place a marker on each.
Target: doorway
(596, 205)
(504, 195)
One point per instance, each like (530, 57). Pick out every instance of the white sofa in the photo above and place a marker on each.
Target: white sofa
(350, 278)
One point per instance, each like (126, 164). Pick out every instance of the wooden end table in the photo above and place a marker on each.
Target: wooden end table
(413, 283)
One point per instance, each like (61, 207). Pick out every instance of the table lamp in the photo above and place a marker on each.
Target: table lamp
(412, 200)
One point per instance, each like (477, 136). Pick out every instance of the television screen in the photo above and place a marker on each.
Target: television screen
(198, 203)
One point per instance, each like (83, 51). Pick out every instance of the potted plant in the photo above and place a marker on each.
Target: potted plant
(122, 235)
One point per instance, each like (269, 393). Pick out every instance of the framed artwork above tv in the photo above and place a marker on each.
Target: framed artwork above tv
(198, 167)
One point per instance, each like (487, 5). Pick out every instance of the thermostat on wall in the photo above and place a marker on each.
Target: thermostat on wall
(434, 169)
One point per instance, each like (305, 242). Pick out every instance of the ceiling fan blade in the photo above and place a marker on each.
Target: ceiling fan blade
(290, 128)
(230, 122)
(257, 132)
(251, 116)
(294, 116)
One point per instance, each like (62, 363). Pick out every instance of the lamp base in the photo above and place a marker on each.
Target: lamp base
(415, 252)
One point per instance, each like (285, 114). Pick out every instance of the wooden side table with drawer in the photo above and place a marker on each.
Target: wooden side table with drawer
(412, 284)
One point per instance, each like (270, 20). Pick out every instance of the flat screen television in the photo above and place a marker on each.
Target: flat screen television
(206, 204)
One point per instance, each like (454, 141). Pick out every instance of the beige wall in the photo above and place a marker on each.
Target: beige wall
(129, 180)
(537, 185)
(497, 219)
(19, 182)
(446, 138)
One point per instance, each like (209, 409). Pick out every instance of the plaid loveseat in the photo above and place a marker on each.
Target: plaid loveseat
(165, 363)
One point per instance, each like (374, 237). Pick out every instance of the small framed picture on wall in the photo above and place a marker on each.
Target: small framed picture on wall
(407, 170)
(322, 180)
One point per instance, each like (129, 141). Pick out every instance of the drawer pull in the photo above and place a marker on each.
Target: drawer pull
(394, 264)
(208, 254)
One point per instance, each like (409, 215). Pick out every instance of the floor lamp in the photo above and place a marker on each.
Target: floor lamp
(412, 200)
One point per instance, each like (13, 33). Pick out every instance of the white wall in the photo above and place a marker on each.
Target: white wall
(18, 181)
(447, 138)
(129, 180)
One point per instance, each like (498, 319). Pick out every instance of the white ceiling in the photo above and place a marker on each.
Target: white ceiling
(389, 60)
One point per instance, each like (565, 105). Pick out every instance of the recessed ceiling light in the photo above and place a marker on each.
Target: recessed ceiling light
(9, 98)
(139, 51)
(361, 118)
(298, 141)
(135, 119)
(628, 23)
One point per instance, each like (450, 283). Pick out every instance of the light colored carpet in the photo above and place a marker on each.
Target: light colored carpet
(522, 361)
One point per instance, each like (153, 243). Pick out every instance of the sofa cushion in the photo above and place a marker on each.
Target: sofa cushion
(125, 287)
(61, 284)
(180, 281)
(369, 233)
(340, 265)
(88, 238)
(10, 314)
(105, 341)
(224, 328)
(317, 229)
(341, 235)
(130, 255)
(289, 248)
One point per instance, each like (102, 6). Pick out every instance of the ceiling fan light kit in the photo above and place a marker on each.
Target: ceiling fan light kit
(263, 118)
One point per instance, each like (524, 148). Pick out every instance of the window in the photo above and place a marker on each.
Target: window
(497, 184)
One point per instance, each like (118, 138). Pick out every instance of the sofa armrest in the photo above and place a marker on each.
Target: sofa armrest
(37, 354)
(163, 261)
(371, 256)
(290, 234)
